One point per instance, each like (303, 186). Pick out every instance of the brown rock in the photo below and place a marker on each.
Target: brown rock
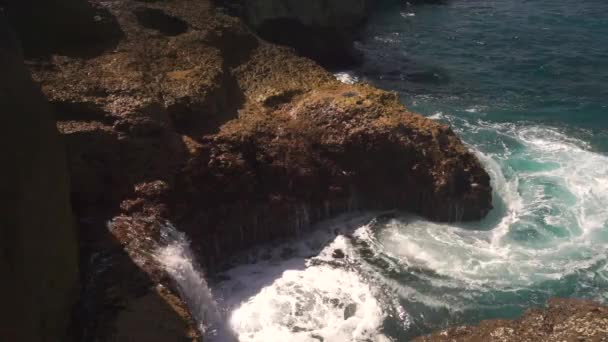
(321, 154)
(191, 118)
(128, 296)
(51, 26)
(563, 320)
(252, 141)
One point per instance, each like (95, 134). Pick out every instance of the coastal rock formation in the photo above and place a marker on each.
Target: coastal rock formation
(252, 141)
(121, 300)
(38, 244)
(172, 111)
(563, 320)
(337, 148)
(319, 29)
(127, 295)
(189, 117)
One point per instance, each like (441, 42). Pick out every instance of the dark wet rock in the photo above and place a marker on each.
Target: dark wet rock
(562, 320)
(350, 310)
(287, 253)
(253, 142)
(338, 254)
(335, 302)
(319, 29)
(297, 329)
(160, 21)
(57, 26)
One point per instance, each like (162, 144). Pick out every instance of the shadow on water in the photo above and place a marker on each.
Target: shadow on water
(263, 265)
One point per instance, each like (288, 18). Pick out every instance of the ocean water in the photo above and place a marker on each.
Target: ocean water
(525, 84)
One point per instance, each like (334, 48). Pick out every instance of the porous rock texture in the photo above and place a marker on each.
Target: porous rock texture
(189, 117)
(564, 320)
(251, 141)
(38, 241)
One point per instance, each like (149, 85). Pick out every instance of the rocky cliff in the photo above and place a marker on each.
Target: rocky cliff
(250, 141)
(39, 247)
(175, 111)
(178, 112)
(38, 244)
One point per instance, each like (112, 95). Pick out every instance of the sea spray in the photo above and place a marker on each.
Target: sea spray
(299, 290)
(407, 276)
(178, 260)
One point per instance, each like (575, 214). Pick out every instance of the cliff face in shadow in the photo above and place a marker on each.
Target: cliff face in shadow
(318, 29)
(38, 242)
(60, 26)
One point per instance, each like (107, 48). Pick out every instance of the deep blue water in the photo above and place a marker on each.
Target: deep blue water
(525, 85)
(542, 61)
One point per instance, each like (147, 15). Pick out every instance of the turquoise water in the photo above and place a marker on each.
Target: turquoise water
(525, 84)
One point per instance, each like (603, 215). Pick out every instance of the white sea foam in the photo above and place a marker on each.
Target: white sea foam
(436, 116)
(177, 259)
(475, 109)
(565, 186)
(550, 221)
(346, 77)
(302, 293)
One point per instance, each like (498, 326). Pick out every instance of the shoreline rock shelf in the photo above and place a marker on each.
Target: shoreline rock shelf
(191, 118)
(178, 112)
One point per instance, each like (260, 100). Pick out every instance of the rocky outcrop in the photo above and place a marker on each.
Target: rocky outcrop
(319, 29)
(189, 117)
(252, 141)
(38, 245)
(563, 320)
(330, 150)
(127, 294)
(122, 299)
